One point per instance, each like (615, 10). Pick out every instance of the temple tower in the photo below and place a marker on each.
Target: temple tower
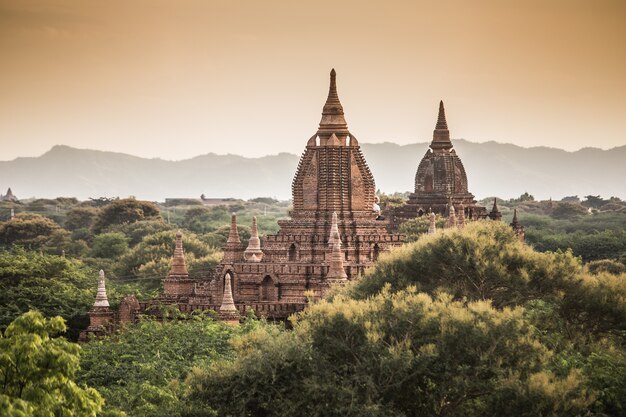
(440, 179)
(334, 232)
(101, 317)
(517, 227)
(178, 284)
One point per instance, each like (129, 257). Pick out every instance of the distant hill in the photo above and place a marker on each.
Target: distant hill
(493, 169)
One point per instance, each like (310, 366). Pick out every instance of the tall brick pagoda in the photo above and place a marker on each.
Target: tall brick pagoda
(440, 181)
(332, 181)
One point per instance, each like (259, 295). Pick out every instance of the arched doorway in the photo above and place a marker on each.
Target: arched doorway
(293, 252)
(268, 290)
(376, 252)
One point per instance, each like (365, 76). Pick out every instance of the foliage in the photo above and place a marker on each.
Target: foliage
(81, 218)
(51, 284)
(483, 261)
(31, 231)
(568, 210)
(414, 228)
(38, 371)
(402, 354)
(150, 260)
(109, 245)
(125, 211)
(140, 370)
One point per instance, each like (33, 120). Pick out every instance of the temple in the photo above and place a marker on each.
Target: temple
(440, 181)
(334, 234)
(8, 196)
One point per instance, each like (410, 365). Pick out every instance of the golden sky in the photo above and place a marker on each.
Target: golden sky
(174, 79)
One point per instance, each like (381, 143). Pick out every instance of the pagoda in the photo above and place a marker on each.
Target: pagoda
(440, 181)
(333, 235)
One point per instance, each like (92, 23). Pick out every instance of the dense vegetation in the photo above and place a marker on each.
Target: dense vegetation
(466, 322)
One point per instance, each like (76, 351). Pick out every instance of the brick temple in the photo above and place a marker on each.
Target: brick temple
(440, 180)
(335, 232)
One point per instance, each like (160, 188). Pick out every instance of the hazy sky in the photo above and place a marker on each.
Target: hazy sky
(174, 79)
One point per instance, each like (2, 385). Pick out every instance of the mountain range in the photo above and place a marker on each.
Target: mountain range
(493, 169)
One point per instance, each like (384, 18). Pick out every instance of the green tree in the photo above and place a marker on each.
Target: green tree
(141, 369)
(109, 245)
(54, 285)
(402, 354)
(81, 218)
(29, 230)
(38, 371)
(125, 211)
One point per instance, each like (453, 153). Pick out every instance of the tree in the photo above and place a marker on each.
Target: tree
(402, 354)
(142, 369)
(125, 211)
(29, 230)
(81, 218)
(54, 285)
(109, 245)
(38, 371)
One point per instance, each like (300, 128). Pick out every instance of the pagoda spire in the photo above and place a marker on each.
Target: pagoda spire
(233, 234)
(495, 214)
(517, 227)
(179, 267)
(101, 296)
(441, 118)
(441, 134)
(336, 271)
(228, 304)
(253, 252)
(333, 120)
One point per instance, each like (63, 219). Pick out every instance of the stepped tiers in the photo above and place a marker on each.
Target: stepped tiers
(440, 180)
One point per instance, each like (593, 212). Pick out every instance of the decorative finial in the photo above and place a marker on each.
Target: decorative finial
(441, 118)
(253, 252)
(441, 134)
(101, 295)
(336, 271)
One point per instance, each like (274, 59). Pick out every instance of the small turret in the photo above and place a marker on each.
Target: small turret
(451, 217)
(495, 214)
(432, 228)
(517, 227)
(233, 249)
(253, 252)
(461, 220)
(178, 282)
(101, 295)
(100, 316)
(228, 311)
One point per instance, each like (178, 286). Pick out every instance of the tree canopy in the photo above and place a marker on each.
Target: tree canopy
(38, 371)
